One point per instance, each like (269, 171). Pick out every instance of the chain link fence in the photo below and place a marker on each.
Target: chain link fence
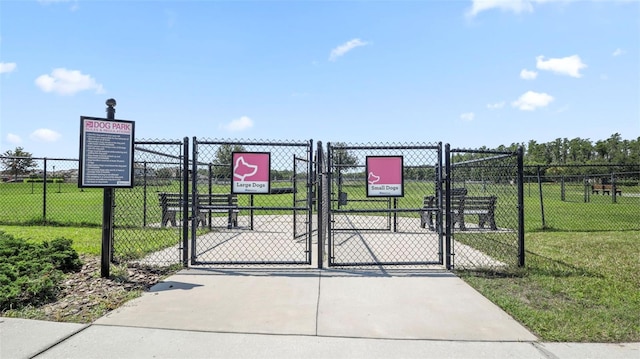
(358, 229)
(44, 191)
(483, 209)
(139, 235)
(582, 198)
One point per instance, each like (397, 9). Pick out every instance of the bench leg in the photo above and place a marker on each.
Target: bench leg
(202, 218)
(426, 217)
(482, 219)
(460, 219)
(492, 222)
(167, 217)
(234, 219)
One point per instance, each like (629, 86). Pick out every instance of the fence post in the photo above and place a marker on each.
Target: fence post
(144, 195)
(613, 187)
(107, 211)
(44, 193)
(541, 200)
(586, 189)
(521, 251)
(447, 206)
(562, 198)
(319, 203)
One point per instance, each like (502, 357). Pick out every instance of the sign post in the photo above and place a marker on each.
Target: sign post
(106, 161)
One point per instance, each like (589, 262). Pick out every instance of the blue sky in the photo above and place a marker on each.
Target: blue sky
(469, 73)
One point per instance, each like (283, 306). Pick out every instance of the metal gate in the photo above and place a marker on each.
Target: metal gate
(372, 221)
(271, 226)
(484, 209)
(182, 208)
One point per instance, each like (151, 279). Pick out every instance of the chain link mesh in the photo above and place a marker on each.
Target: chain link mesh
(366, 230)
(489, 181)
(138, 233)
(46, 192)
(582, 198)
(271, 228)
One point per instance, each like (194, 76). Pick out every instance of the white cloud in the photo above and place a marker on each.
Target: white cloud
(67, 82)
(530, 100)
(7, 67)
(528, 75)
(618, 52)
(44, 135)
(570, 65)
(468, 116)
(73, 7)
(346, 47)
(14, 139)
(239, 124)
(517, 6)
(496, 106)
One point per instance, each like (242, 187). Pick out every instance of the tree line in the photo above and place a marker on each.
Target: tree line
(560, 156)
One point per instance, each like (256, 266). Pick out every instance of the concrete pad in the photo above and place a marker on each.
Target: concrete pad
(122, 342)
(426, 306)
(226, 301)
(592, 350)
(23, 338)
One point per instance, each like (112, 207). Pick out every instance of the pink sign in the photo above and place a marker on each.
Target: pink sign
(384, 176)
(250, 172)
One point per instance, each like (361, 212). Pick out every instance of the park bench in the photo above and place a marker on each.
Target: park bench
(462, 205)
(171, 203)
(430, 205)
(605, 188)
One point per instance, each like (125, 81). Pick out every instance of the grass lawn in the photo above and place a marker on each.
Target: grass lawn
(85, 240)
(576, 287)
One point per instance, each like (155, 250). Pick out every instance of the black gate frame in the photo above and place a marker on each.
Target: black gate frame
(392, 210)
(308, 203)
(449, 230)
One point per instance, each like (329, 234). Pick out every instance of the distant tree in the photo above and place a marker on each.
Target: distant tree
(17, 162)
(224, 157)
(343, 157)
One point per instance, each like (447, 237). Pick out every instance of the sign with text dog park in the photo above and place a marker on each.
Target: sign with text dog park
(250, 172)
(384, 176)
(106, 153)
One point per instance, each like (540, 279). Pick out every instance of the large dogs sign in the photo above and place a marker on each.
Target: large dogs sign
(250, 173)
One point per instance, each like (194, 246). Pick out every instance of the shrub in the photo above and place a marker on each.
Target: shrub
(30, 272)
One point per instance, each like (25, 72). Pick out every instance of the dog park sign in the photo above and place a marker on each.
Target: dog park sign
(250, 172)
(384, 176)
(106, 153)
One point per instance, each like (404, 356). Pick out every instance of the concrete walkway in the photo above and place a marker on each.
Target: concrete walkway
(267, 313)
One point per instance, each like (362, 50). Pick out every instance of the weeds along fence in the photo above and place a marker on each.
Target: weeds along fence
(582, 198)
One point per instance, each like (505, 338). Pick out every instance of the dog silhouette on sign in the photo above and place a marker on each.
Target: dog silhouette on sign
(242, 169)
(373, 178)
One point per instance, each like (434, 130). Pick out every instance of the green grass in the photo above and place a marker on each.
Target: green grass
(23, 203)
(576, 287)
(85, 240)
